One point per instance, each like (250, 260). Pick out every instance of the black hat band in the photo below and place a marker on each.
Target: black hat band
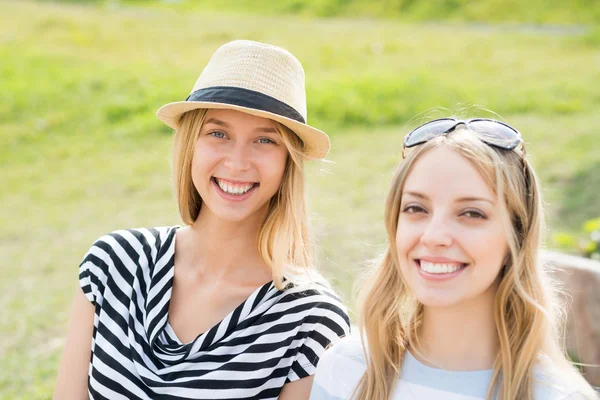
(245, 98)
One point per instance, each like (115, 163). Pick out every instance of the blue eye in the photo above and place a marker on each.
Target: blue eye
(217, 134)
(266, 141)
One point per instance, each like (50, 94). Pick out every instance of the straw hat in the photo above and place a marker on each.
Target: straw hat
(258, 79)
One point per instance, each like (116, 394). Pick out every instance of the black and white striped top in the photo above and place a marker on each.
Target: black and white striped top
(272, 338)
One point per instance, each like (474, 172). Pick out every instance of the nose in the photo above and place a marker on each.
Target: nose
(437, 233)
(239, 158)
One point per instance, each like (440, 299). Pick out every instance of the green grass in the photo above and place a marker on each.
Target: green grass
(506, 11)
(81, 153)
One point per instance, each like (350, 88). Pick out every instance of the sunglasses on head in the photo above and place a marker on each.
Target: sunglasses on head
(494, 133)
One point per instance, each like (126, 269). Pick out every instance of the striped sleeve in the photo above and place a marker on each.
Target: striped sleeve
(93, 270)
(99, 263)
(325, 326)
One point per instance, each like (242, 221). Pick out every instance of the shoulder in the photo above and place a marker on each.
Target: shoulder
(316, 318)
(120, 255)
(136, 237)
(139, 239)
(318, 303)
(340, 368)
(552, 383)
(128, 246)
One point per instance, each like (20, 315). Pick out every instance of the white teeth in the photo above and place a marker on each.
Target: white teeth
(230, 188)
(434, 268)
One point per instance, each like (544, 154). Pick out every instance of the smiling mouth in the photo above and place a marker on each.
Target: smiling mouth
(234, 188)
(439, 268)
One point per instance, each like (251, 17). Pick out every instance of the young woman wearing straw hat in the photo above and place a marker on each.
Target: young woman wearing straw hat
(459, 307)
(229, 306)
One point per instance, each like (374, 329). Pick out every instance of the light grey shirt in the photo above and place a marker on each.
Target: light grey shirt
(342, 366)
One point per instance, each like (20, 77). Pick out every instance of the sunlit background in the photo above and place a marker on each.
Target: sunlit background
(82, 154)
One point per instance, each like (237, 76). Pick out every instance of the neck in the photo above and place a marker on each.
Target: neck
(225, 249)
(461, 337)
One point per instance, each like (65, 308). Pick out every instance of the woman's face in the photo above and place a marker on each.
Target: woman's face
(450, 239)
(238, 164)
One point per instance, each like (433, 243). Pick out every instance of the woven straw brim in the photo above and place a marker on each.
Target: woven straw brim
(316, 142)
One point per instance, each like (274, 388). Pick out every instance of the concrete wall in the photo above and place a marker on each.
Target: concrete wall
(581, 278)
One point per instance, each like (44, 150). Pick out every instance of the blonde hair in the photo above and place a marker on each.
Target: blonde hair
(525, 306)
(283, 238)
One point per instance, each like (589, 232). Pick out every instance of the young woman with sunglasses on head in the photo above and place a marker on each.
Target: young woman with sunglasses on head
(459, 307)
(229, 306)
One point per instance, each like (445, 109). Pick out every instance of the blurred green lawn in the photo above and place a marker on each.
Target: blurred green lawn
(511, 11)
(81, 153)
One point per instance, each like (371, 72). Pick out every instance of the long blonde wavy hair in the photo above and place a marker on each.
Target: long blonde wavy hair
(283, 238)
(526, 311)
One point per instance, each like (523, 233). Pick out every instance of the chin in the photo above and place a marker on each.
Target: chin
(233, 217)
(437, 300)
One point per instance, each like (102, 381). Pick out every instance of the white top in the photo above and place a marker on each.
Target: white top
(342, 366)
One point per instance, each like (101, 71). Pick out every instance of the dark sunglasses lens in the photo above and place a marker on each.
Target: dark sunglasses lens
(428, 131)
(496, 133)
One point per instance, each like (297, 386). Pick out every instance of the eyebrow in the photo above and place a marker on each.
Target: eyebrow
(216, 122)
(264, 129)
(459, 200)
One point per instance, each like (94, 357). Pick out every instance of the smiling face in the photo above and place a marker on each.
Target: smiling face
(238, 163)
(450, 238)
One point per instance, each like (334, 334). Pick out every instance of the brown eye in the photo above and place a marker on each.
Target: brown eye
(473, 214)
(412, 209)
